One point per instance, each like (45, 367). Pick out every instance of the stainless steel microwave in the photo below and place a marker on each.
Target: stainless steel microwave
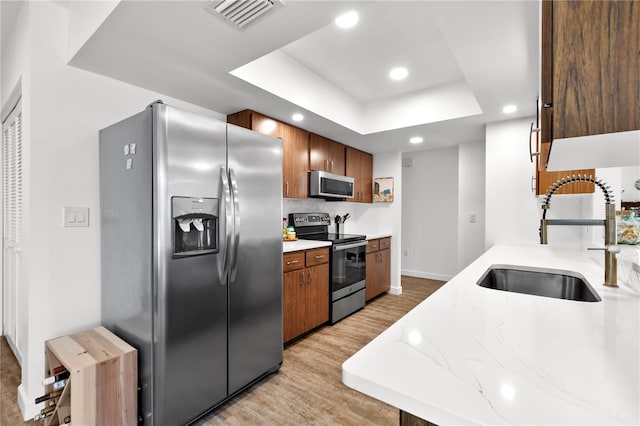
(328, 185)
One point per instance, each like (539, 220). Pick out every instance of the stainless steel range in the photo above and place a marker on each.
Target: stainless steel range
(347, 265)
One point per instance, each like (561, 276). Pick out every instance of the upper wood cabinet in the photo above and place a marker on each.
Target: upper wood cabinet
(304, 151)
(326, 155)
(590, 68)
(545, 179)
(360, 167)
(590, 77)
(295, 149)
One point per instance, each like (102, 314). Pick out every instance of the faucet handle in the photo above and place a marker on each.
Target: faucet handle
(613, 248)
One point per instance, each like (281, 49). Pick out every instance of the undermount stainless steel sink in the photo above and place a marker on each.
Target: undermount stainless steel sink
(539, 282)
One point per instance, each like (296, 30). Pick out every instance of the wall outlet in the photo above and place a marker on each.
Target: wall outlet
(405, 253)
(472, 218)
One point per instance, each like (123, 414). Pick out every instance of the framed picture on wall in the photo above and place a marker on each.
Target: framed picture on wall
(383, 190)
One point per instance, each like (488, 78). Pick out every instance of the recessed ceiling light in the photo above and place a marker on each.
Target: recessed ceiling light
(297, 117)
(398, 73)
(509, 109)
(347, 20)
(416, 139)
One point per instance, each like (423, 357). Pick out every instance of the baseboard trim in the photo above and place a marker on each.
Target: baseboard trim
(27, 406)
(428, 275)
(395, 290)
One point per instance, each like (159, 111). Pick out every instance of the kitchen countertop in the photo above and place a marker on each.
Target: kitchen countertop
(472, 355)
(288, 246)
(376, 236)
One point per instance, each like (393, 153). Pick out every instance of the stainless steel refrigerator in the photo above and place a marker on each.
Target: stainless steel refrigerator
(191, 256)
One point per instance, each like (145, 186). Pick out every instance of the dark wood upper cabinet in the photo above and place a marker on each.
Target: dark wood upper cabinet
(590, 76)
(590, 68)
(303, 151)
(360, 167)
(326, 155)
(545, 179)
(295, 149)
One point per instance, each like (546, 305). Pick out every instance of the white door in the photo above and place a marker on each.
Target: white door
(12, 224)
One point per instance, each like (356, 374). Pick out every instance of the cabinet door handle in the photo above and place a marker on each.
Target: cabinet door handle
(332, 166)
(320, 256)
(291, 262)
(309, 279)
(286, 190)
(326, 164)
(532, 154)
(302, 278)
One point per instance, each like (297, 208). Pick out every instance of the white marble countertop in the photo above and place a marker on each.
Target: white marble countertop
(472, 355)
(288, 246)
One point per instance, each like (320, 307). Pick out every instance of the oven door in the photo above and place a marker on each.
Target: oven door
(348, 266)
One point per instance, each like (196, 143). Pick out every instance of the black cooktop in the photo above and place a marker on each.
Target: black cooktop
(333, 238)
(315, 226)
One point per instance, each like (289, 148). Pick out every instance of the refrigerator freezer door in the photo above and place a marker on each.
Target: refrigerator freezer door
(255, 284)
(190, 317)
(126, 238)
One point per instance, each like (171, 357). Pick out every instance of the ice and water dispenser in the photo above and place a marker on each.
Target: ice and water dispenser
(195, 225)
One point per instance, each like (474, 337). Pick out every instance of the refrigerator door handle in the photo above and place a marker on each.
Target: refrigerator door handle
(236, 225)
(223, 267)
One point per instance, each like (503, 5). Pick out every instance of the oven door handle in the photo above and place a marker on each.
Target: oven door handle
(338, 247)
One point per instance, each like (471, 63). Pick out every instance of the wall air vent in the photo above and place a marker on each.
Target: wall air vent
(240, 13)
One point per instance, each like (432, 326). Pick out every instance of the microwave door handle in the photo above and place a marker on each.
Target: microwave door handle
(223, 265)
(236, 224)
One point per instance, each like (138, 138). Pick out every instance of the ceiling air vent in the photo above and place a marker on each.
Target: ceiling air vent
(241, 13)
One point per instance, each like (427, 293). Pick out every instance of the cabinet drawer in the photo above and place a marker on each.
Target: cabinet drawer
(292, 261)
(317, 256)
(385, 243)
(373, 245)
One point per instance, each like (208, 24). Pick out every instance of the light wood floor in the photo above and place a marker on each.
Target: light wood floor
(307, 390)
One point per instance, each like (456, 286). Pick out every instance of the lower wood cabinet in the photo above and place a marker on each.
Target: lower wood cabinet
(306, 291)
(378, 267)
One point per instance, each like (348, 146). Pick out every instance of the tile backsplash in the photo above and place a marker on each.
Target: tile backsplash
(312, 205)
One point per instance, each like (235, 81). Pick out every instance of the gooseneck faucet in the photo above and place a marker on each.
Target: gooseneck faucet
(610, 248)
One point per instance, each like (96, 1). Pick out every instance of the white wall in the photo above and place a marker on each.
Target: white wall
(15, 83)
(430, 214)
(368, 219)
(629, 177)
(471, 202)
(512, 210)
(63, 110)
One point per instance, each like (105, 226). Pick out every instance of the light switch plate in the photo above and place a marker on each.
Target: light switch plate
(76, 217)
